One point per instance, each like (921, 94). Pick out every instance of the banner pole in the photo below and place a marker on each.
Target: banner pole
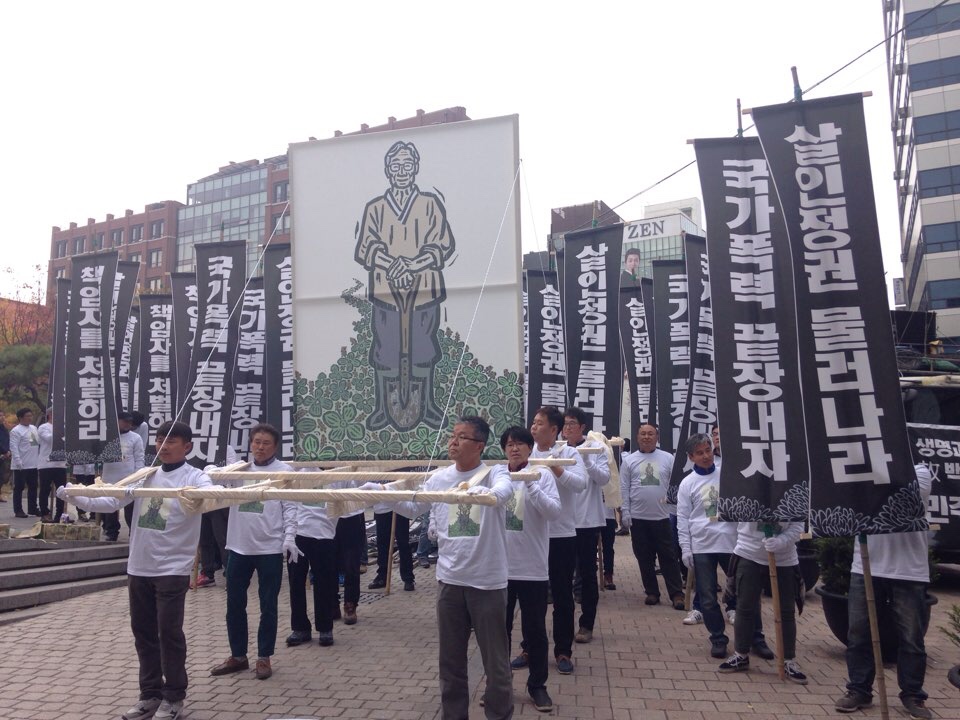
(393, 535)
(874, 627)
(195, 570)
(688, 593)
(775, 592)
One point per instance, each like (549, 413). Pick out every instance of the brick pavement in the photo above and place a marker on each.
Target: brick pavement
(77, 661)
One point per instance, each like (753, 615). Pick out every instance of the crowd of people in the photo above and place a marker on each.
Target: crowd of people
(535, 543)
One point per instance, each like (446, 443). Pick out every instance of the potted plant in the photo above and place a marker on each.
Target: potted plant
(835, 557)
(953, 632)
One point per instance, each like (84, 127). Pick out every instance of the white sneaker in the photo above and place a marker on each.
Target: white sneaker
(731, 616)
(142, 710)
(169, 710)
(694, 617)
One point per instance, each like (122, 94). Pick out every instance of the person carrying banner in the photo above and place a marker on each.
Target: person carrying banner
(383, 516)
(163, 544)
(705, 544)
(471, 571)
(259, 536)
(589, 518)
(350, 540)
(644, 479)
(752, 567)
(53, 473)
(84, 475)
(529, 513)
(24, 459)
(901, 573)
(546, 427)
(4, 454)
(131, 453)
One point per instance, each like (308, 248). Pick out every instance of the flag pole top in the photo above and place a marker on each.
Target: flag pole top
(797, 92)
(739, 119)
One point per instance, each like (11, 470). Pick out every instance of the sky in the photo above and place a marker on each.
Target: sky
(114, 105)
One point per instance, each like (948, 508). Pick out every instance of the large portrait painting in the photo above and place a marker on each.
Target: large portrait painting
(406, 275)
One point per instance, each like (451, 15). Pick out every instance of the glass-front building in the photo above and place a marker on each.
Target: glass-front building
(658, 238)
(227, 206)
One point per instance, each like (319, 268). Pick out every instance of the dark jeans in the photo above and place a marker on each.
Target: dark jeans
(587, 541)
(156, 618)
(384, 521)
(25, 479)
(562, 561)
(426, 544)
(240, 569)
(51, 478)
(607, 536)
(909, 614)
(320, 556)
(652, 539)
(748, 629)
(111, 524)
(350, 538)
(213, 540)
(460, 609)
(532, 596)
(705, 567)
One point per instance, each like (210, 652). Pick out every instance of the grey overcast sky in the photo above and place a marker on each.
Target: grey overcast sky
(113, 105)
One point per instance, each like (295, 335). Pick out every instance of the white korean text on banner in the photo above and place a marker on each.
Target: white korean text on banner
(249, 385)
(155, 385)
(764, 475)
(671, 330)
(90, 408)
(278, 353)
(221, 274)
(862, 476)
(184, 287)
(129, 360)
(636, 345)
(591, 302)
(547, 374)
(938, 447)
(124, 287)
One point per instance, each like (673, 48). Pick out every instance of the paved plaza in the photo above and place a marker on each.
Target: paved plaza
(75, 660)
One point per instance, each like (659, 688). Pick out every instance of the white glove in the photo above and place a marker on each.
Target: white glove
(688, 560)
(371, 486)
(624, 520)
(62, 493)
(290, 550)
(775, 544)
(432, 533)
(478, 490)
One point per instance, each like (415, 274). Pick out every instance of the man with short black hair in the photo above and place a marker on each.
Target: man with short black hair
(131, 460)
(24, 461)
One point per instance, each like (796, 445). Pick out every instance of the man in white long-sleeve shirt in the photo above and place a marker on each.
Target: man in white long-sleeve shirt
(572, 479)
(132, 459)
(472, 574)
(53, 473)
(533, 506)
(163, 543)
(589, 518)
(24, 461)
(705, 544)
(259, 535)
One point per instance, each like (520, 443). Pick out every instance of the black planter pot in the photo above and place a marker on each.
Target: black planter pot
(835, 612)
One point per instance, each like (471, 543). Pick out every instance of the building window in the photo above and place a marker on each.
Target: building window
(280, 191)
(134, 257)
(281, 223)
(155, 284)
(939, 181)
(136, 233)
(943, 294)
(930, 22)
(155, 258)
(61, 272)
(61, 248)
(935, 73)
(116, 238)
(78, 243)
(97, 240)
(156, 229)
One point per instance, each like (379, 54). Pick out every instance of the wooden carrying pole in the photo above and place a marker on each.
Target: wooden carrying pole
(688, 594)
(775, 592)
(874, 627)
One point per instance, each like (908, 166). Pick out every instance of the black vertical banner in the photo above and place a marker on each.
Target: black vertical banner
(938, 447)
(156, 395)
(764, 475)
(124, 286)
(184, 298)
(58, 366)
(249, 393)
(526, 339)
(637, 348)
(700, 406)
(278, 305)
(671, 328)
(862, 477)
(90, 408)
(646, 287)
(591, 302)
(127, 360)
(547, 376)
(221, 274)
(133, 327)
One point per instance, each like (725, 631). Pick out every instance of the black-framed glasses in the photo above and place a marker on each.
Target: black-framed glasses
(461, 438)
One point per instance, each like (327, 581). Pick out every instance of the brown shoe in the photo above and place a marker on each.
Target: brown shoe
(230, 665)
(349, 613)
(263, 668)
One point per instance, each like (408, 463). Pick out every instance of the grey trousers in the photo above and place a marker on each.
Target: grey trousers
(459, 609)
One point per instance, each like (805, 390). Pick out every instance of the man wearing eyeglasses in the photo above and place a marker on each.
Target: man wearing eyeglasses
(404, 241)
(472, 573)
